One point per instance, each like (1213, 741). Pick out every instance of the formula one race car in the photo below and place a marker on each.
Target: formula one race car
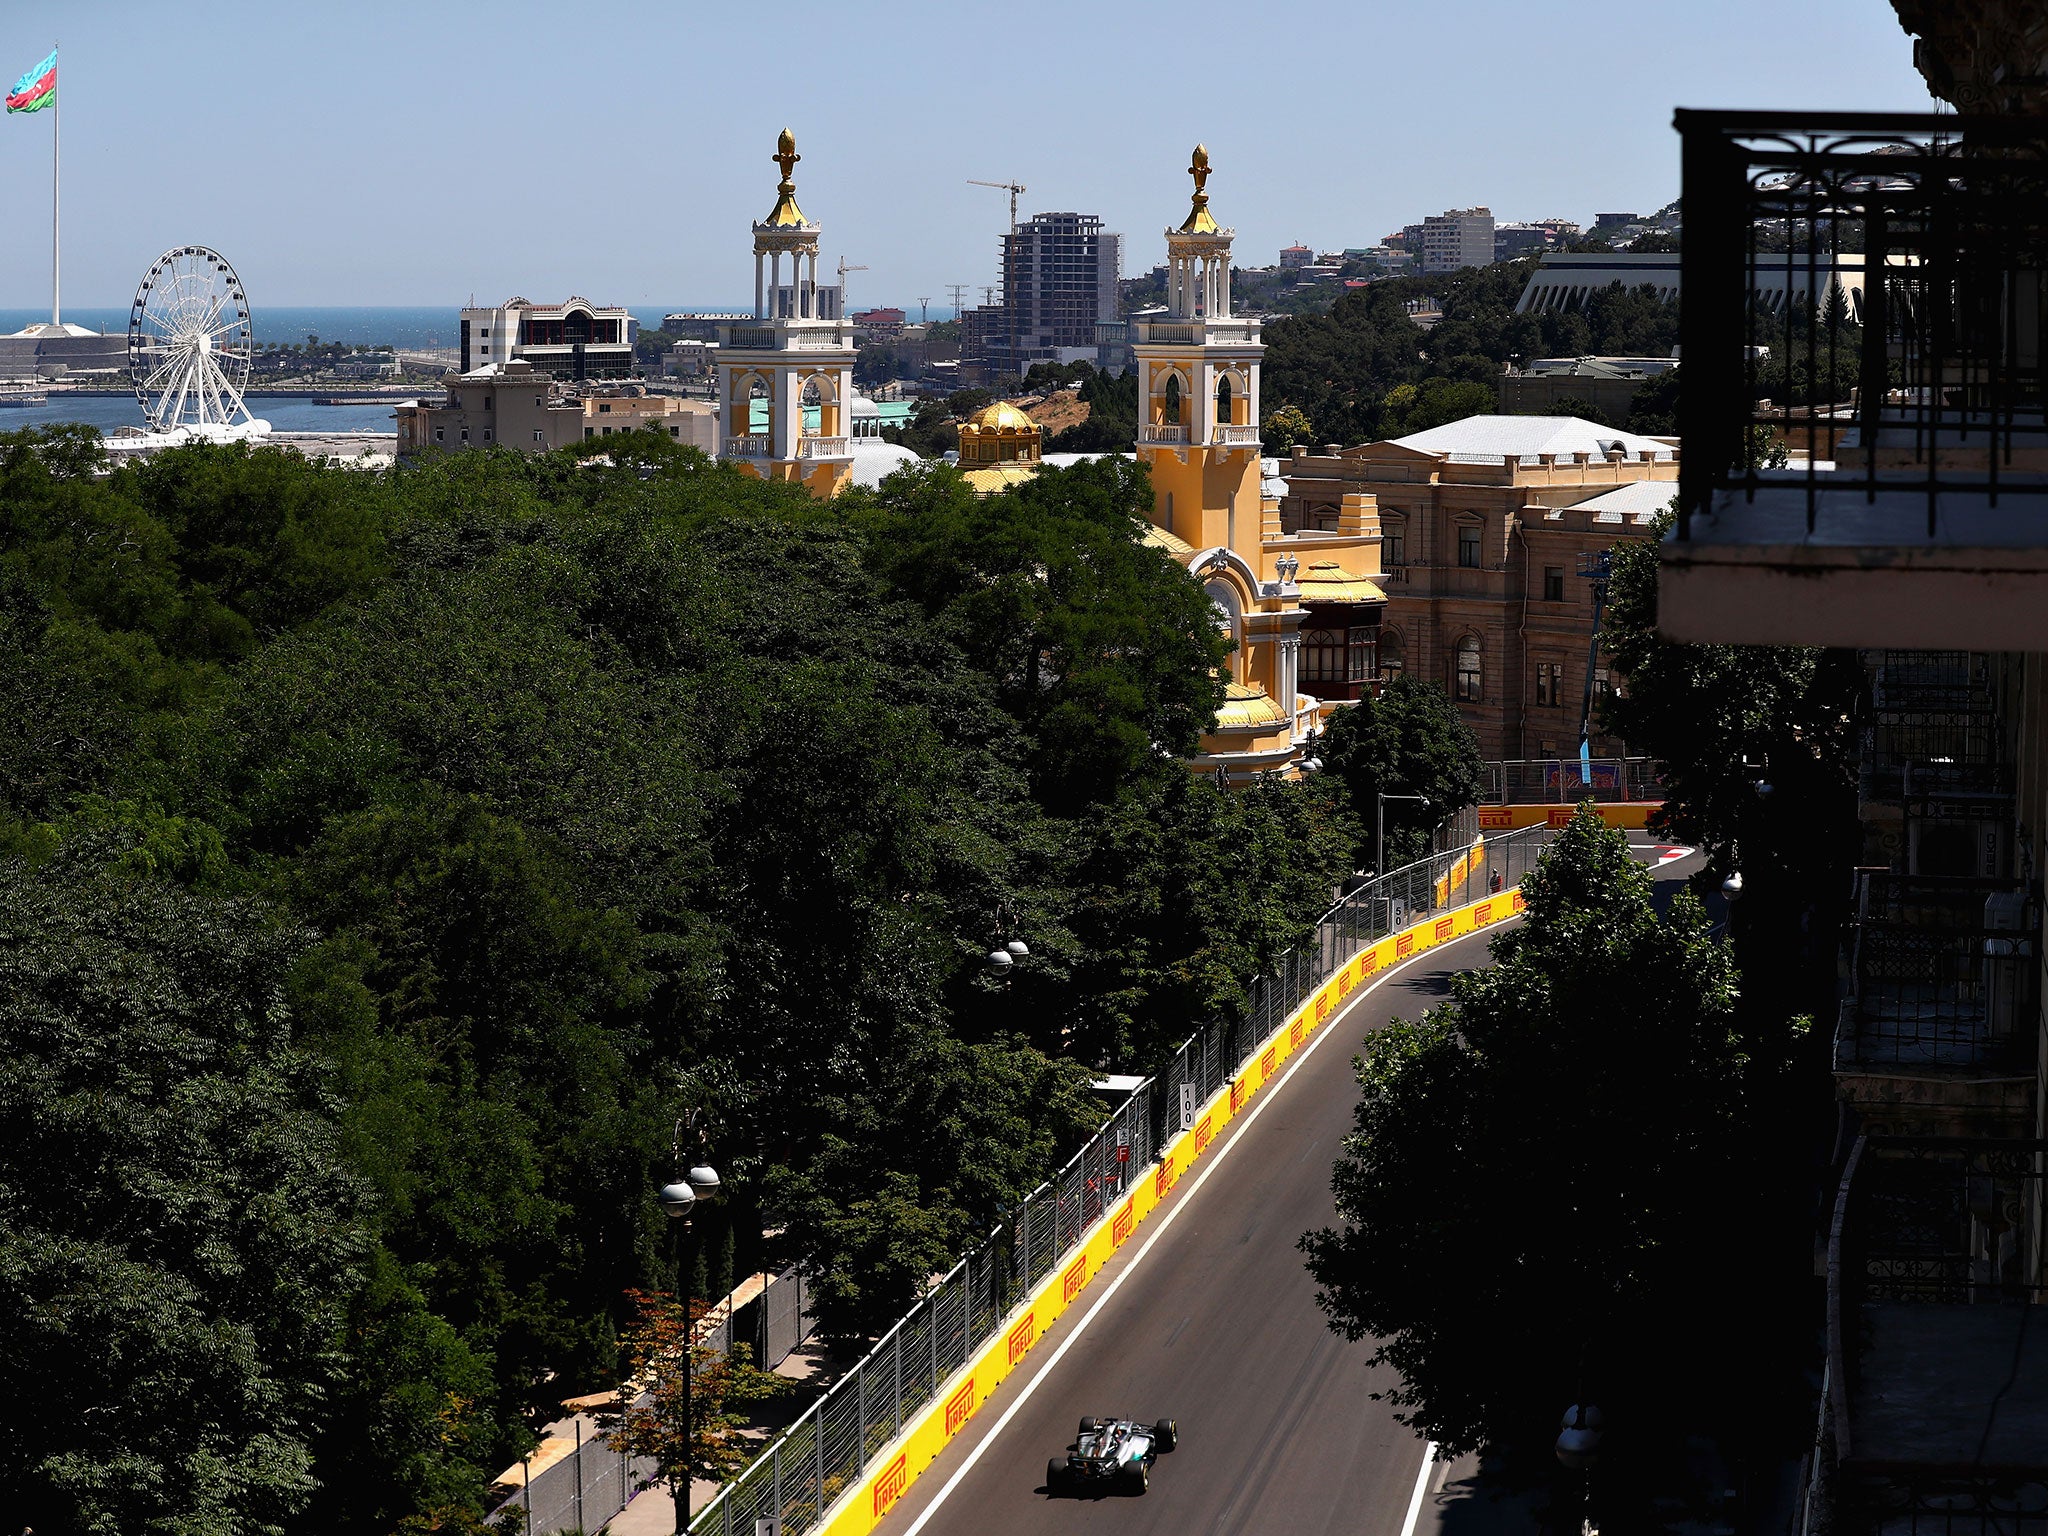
(1110, 1454)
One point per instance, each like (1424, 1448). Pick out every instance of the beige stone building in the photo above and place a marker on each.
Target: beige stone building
(518, 406)
(1485, 525)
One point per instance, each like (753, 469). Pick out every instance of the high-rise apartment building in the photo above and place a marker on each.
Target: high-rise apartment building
(1461, 237)
(1060, 273)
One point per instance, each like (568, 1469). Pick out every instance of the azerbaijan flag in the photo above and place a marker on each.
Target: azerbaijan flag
(37, 89)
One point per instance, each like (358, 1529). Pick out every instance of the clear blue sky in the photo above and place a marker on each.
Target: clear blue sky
(372, 152)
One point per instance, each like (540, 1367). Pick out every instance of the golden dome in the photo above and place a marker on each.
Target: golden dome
(1248, 709)
(1328, 582)
(1000, 417)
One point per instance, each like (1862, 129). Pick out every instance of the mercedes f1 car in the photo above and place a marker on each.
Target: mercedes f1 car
(1110, 1455)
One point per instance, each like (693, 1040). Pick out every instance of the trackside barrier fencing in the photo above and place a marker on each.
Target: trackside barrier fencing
(842, 1465)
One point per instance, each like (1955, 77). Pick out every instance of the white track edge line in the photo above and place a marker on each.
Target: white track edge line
(1421, 1488)
(1188, 1198)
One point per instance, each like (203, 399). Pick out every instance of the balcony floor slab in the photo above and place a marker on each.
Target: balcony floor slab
(1867, 573)
(1953, 1387)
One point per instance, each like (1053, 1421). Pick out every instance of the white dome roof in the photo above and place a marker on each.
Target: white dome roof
(875, 460)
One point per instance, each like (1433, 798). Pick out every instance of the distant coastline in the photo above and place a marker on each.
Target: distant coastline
(391, 325)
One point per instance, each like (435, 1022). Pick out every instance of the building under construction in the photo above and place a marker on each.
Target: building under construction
(1060, 273)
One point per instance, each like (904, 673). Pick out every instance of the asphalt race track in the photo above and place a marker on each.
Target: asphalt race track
(1213, 1322)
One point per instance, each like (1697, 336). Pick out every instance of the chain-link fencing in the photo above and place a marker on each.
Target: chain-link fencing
(826, 1450)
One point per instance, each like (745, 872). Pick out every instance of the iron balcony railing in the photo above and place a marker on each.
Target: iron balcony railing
(1942, 978)
(1934, 1277)
(1909, 680)
(1863, 290)
(1911, 755)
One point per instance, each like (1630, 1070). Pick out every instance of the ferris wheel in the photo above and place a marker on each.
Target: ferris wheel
(190, 345)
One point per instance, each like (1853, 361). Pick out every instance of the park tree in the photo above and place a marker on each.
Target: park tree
(1101, 648)
(1757, 747)
(678, 1397)
(180, 1237)
(1547, 1192)
(1408, 740)
(1286, 427)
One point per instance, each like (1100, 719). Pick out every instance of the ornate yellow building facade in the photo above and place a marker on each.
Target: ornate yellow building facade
(1198, 434)
(1303, 609)
(791, 355)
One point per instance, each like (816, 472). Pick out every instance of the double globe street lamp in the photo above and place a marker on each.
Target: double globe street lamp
(679, 1200)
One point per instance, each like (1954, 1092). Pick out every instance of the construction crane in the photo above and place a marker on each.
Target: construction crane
(1011, 187)
(844, 268)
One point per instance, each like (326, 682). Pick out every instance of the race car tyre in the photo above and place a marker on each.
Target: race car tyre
(1089, 1426)
(1055, 1475)
(1137, 1477)
(1165, 1434)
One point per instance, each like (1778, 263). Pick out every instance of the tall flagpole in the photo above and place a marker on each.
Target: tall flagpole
(56, 196)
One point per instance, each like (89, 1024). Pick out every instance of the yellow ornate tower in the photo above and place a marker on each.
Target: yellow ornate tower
(1198, 432)
(794, 357)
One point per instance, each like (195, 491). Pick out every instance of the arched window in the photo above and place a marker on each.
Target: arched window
(1172, 408)
(1223, 418)
(1223, 601)
(1468, 670)
(1392, 653)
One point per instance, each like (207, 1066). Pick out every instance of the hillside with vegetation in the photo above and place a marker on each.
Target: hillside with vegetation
(1364, 370)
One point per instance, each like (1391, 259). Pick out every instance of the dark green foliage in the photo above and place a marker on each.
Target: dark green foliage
(1408, 741)
(1725, 720)
(179, 1236)
(1342, 368)
(1542, 1197)
(1099, 647)
(1187, 892)
(568, 776)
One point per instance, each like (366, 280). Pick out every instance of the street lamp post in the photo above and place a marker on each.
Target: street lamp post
(679, 1201)
(1379, 847)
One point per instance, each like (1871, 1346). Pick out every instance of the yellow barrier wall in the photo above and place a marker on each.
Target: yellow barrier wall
(862, 1506)
(1503, 818)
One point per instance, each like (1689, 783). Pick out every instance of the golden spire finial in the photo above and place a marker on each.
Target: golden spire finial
(785, 214)
(1199, 221)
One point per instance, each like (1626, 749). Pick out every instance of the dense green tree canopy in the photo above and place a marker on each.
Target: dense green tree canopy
(1540, 1199)
(1343, 368)
(1410, 740)
(179, 1233)
(1757, 746)
(569, 776)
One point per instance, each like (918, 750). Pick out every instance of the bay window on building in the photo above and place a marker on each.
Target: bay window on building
(1339, 655)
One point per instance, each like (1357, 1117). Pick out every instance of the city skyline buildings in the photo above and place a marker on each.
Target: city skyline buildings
(375, 156)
